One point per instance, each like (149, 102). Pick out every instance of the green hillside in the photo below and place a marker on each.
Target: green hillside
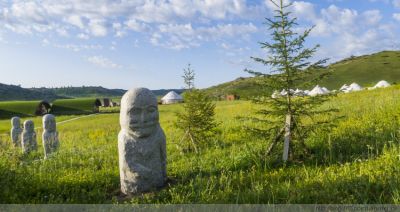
(75, 106)
(16, 92)
(365, 70)
(84, 91)
(22, 108)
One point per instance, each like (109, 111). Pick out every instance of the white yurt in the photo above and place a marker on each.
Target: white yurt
(276, 94)
(382, 84)
(353, 87)
(171, 98)
(344, 87)
(299, 92)
(317, 90)
(325, 90)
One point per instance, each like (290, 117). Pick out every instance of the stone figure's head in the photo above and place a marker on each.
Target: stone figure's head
(16, 122)
(29, 126)
(139, 112)
(49, 122)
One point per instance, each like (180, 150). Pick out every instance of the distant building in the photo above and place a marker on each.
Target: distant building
(43, 108)
(232, 97)
(171, 98)
(105, 102)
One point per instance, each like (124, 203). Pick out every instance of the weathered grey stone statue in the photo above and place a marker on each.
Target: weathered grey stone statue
(141, 143)
(50, 135)
(16, 131)
(28, 137)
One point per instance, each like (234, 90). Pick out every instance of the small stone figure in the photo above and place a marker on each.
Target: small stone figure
(50, 135)
(141, 143)
(16, 131)
(28, 137)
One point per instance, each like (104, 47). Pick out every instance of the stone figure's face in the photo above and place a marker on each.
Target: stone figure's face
(139, 112)
(49, 123)
(15, 122)
(29, 126)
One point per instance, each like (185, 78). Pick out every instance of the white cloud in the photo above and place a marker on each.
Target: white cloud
(83, 36)
(135, 25)
(62, 31)
(75, 20)
(102, 62)
(302, 9)
(97, 27)
(77, 48)
(396, 16)
(98, 16)
(372, 17)
(181, 36)
(178, 24)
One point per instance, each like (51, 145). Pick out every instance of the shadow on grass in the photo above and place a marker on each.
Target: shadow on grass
(350, 147)
(26, 187)
(4, 114)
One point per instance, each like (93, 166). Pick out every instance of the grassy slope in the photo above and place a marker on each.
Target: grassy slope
(365, 70)
(357, 162)
(20, 108)
(73, 106)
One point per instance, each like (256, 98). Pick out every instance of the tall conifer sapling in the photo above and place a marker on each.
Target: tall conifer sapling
(290, 69)
(197, 119)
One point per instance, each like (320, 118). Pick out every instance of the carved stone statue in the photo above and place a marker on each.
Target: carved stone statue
(28, 137)
(16, 131)
(50, 135)
(141, 143)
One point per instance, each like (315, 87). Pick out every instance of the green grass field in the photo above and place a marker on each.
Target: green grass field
(356, 162)
(21, 108)
(74, 106)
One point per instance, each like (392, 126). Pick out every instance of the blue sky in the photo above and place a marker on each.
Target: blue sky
(147, 43)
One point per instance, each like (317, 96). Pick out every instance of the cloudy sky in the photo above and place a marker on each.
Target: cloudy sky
(147, 43)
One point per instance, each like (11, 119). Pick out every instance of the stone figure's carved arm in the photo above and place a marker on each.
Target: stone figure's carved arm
(139, 168)
(45, 144)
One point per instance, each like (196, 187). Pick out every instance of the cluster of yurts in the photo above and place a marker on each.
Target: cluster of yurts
(317, 90)
(26, 137)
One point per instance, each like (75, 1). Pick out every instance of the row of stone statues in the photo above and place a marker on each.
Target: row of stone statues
(26, 137)
(141, 141)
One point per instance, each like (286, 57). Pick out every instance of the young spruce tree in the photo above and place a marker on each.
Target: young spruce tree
(197, 119)
(289, 59)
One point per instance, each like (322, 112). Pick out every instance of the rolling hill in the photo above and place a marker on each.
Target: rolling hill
(83, 92)
(365, 70)
(15, 92)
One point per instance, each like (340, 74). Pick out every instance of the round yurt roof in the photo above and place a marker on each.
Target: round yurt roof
(382, 84)
(355, 87)
(172, 95)
(325, 90)
(317, 90)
